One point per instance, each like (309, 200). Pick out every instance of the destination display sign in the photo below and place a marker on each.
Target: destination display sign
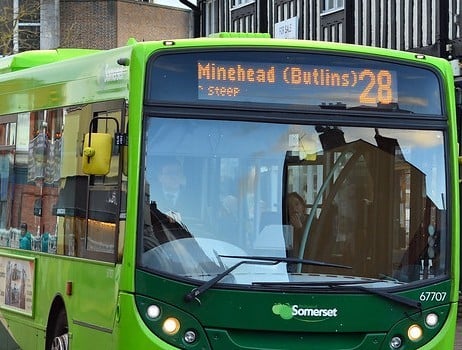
(298, 84)
(293, 80)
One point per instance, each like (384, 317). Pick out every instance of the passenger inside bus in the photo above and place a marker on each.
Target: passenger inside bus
(170, 192)
(168, 205)
(298, 217)
(25, 241)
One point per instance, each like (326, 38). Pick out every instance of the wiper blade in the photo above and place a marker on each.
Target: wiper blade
(347, 285)
(252, 260)
(397, 298)
(279, 259)
(194, 294)
(327, 284)
(381, 107)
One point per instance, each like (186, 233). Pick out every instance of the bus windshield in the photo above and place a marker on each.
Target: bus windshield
(370, 203)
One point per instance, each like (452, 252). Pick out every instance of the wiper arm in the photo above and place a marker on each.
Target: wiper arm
(193, 294)
(380, 107)
(384, 294)
(279, 259)
(253, 260)
(271, 260)
(326, 284)
(347, 285)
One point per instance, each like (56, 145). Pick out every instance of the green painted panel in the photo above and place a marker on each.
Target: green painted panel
(36, 58)
(251, 319)
(74, 81)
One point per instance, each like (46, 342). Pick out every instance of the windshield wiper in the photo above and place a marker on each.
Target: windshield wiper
(253, 260)
(397, 298)
(347, 285)
(279, 259)
(325, 284)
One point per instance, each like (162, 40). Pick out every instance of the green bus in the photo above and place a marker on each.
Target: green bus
(228, 193)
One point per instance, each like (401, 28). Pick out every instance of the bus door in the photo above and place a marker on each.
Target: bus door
(91, 210)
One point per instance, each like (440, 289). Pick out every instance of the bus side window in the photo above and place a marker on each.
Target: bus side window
(90, 207)
(102, 160)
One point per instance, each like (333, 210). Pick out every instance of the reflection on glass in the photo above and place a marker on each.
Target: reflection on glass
(371, 199)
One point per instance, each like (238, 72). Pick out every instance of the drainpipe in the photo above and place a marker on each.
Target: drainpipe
(196, 17)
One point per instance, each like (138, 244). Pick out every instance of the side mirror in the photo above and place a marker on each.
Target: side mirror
(97, 152)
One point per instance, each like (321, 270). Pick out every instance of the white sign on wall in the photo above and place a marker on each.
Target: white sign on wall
(287, 29)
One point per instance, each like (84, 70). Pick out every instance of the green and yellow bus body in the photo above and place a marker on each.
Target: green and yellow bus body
(228, 193)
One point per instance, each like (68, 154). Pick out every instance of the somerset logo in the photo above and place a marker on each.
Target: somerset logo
(287, 312)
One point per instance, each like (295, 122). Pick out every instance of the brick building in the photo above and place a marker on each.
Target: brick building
(96, 24)
(107, 24)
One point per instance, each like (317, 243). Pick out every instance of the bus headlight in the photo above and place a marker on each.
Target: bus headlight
(414, 332)
(431, 320)
(171, 326)
(153, 311)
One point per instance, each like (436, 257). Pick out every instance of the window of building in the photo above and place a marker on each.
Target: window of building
(211, 7)
(238, 3)
(243, 24)
(333, 5)
(26, 25)
(7, 153)
(8, 131)
(28, 36)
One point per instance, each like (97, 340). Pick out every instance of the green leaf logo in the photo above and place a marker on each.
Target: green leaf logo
(283, 310)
